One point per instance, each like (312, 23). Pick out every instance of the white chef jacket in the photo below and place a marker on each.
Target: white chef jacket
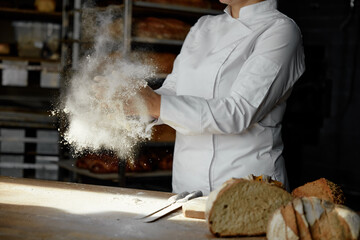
(226, 96)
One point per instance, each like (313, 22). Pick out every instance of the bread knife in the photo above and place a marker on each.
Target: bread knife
(170, 201)
(172, 207)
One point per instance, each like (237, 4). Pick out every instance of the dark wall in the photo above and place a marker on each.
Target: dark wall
(322, 123)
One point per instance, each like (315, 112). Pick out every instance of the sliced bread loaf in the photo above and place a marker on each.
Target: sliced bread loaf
(242, 207)
(316, 219)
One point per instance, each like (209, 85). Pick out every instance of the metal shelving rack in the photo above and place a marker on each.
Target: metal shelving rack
(26, 109)
(177, 10)
(12, 116)
(71, 51)
(127, 7)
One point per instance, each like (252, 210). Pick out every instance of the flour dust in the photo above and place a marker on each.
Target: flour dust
(101, 105)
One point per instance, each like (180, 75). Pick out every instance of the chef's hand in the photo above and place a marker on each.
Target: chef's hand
(152, 100)
(149, 97)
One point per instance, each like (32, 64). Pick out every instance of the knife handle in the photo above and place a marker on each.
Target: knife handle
(192, 195)
(178, 196)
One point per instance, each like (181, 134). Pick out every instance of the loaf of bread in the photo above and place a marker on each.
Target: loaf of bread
(321, 188)
(242, 207)
(107, 163)
(311, 218)
(83, 162)
(161, 61)
(45, 5)
(264, 178)
(142, 163)
(98, 163)
(4, 48)
(165, 162)
(160, 28)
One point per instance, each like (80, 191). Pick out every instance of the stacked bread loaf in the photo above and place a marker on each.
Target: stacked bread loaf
(161, 61)
(4, 48)
(45, 5)
(159, 159)
(160, 28)
(98, 163)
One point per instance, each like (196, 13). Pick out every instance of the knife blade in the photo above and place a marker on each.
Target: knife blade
(172, 207)
(170, 201)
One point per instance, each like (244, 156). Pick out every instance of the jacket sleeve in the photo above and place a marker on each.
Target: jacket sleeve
(169, 85)
(268, 75)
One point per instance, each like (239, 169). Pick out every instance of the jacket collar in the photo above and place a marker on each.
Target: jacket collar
(231, 32)
(254, 10)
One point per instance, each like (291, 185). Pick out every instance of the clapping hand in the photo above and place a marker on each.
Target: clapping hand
(130, 103)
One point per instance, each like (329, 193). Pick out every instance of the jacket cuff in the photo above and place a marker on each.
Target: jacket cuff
(183, 113)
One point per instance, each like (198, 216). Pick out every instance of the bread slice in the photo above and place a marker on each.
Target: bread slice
(283, 224)
(195, 208)
(288, 214)
(302, 224)
(242, 207)
(348, 219)
(321, 188)
(325, 219)
(276, 228)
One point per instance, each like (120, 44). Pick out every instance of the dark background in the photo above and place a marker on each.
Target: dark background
(321, 126)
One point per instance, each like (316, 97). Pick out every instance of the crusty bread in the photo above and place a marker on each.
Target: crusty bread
(316, 219)
(45, 5)
(321, 188)
(195, 208)
(98, 163)
(242, 207)
(161, 61)
(264, 178)
(283, 223)
(160, 28)
(302, 224)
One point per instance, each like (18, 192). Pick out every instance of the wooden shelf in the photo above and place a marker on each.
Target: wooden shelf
(30, 14)
(157, 41)
(177, 8)
(53, 69)
(70, 165)
(158, 144)
(28, 59)
(133, 39)
(15, 165)
(23, 119)
(117, 7)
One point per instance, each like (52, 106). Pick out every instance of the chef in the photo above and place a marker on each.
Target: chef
(226, 95)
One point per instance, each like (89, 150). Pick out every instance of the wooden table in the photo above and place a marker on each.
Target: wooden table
(37, 209)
